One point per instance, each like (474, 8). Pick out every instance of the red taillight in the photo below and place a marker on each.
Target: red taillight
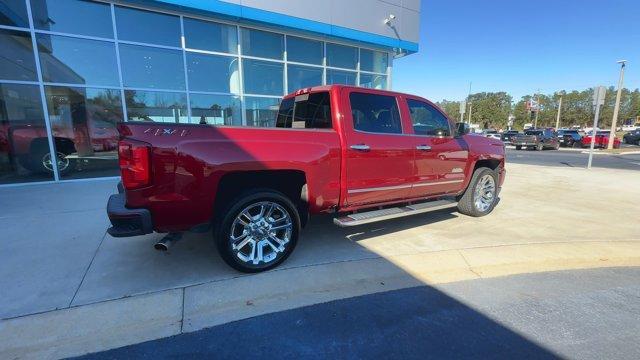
(135, 165)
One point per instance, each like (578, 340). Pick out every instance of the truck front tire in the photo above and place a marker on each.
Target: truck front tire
(258, 231)
(481, 195)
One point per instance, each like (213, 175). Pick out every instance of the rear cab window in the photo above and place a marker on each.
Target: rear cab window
(375, 113)
(305, 111)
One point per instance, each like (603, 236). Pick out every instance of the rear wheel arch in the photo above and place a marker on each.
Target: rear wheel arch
(290, 183)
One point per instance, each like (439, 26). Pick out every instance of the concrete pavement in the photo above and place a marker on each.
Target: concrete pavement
(548, 219)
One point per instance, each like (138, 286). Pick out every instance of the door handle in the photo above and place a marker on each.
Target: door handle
(360, 147)
(423, 147)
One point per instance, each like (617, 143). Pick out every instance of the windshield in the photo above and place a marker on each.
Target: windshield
(533, 132)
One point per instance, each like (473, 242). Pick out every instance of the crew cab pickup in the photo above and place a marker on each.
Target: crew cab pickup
(364, 155)
(537, 139)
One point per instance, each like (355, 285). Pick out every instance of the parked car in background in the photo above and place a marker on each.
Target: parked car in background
(631, 127)
(335, 149)
(632, 137)
(492, 134)
(570, 137)
(601, 140)
(537, 139)
(507, 136)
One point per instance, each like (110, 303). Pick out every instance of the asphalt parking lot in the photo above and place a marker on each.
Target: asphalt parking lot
(69, 289)
(576, 158)
(579, 314)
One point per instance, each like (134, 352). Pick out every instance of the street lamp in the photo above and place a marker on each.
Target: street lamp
(616, 109)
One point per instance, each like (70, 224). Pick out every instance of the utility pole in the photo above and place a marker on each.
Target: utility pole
(470, 104)
(616, 109)
(598, 100)
(535, 122)
(558, 116)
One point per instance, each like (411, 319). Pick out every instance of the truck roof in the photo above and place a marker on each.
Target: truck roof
(329, 87)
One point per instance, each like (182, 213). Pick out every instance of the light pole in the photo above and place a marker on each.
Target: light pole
(558, 116)
(616, 109)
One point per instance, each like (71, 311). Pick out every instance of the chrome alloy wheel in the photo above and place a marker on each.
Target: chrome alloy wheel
(63, 161)
(485, 193)
(261, 232)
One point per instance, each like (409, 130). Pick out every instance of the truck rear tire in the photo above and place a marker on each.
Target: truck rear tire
(481, 195)
(518, 147)
(258, 231)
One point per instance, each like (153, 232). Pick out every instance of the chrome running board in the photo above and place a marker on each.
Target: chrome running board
(392, 213)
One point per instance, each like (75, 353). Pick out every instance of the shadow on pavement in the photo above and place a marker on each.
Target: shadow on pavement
(420, 322)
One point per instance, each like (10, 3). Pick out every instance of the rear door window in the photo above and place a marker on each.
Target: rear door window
(375, 113)
(306, 111)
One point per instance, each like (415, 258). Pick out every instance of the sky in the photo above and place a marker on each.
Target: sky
(521, 46)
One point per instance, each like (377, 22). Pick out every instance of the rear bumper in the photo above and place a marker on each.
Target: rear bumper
(127, 222)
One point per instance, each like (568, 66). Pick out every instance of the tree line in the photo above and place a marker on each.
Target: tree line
(492, 109)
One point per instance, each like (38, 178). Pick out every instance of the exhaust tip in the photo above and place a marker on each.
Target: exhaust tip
(160, 246)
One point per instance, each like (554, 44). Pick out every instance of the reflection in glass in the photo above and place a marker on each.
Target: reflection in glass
(147, 27)
(303, 76)
(83, 123)
(16, 56)
(263, 77)
(156, 106)
(73, 16)
(375, 61)
(304, 50)
(261, 111)
(213, 73)
(340, 77)
(14, 13)
(77, 61)
(23, 135)
(148, 67)
(342, 56)
(210, 36)
(215, 109)
(373, 81)
(262, 44)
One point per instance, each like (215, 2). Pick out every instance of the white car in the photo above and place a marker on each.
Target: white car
(626, 128)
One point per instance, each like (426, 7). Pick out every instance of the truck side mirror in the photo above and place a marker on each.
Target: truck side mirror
(462, 129)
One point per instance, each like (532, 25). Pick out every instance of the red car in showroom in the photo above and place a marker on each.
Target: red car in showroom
(602, 140)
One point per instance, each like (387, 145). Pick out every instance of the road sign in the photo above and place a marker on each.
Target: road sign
(598, 95)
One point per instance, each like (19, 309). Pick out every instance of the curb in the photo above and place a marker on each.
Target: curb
(115, 323)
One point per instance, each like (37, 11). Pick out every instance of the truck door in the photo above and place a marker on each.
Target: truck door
(440, 158)
(379, 163)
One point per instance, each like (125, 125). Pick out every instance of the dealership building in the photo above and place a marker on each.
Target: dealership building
(71, 69)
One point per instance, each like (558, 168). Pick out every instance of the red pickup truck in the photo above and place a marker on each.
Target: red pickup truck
(365, 155)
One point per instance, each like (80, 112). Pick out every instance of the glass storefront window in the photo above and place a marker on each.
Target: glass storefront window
(24, 147)
(304, 50)
(14, 13)
(262, 44)
(77, 61)
(83, 124)
(342, 56)
(149, 67)
(73, 16)
(156, 106)
(373, 81)
(213, 73)
(216, 109)
(260, 111)
(16, 56)
(210, 36)
(303, 76)
(374, 61)
(340, 77)
(147, 27)
(263, 77)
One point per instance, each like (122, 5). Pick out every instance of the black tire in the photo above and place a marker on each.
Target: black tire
(577, 144)
(466, 203)
(518, 147)
(539, 147)
(224, 227)
(40, 153)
